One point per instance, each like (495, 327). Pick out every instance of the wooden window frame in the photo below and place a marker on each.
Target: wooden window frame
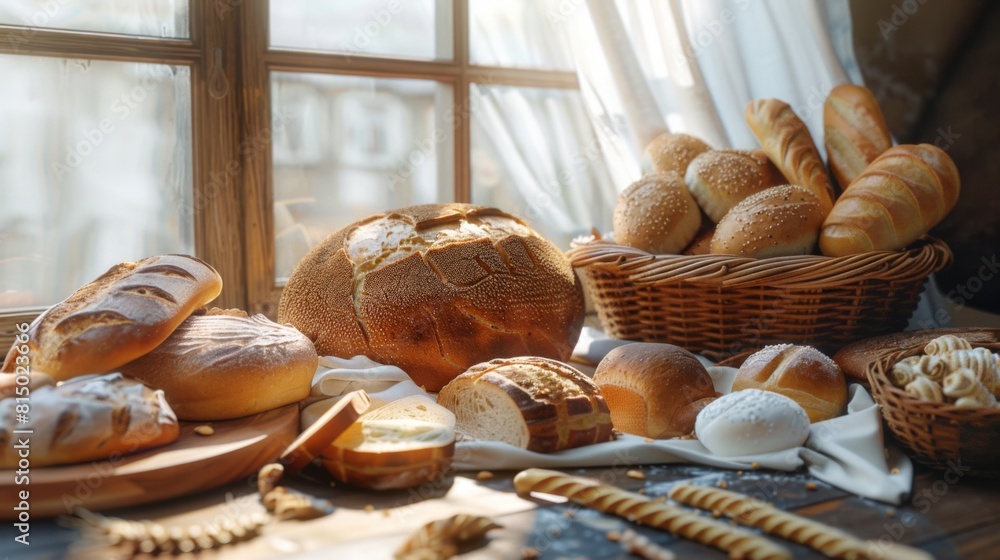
(233, 216)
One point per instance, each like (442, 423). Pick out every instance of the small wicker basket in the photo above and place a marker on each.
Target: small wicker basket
(721, 305)
(941, 436)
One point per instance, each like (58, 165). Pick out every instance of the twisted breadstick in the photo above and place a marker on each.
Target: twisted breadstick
(925, 389)
(640, 509)
(946, 343)
(755, 513)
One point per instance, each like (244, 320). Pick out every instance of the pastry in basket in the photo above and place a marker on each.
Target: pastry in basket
(672, 153)
(720, 179)
(751, 422)
(854, 131)
(87, 419)
(951, 371)
(800, 373)
(899, 197)
(657, 214)
(533, 403)
(435, 289)
(118, 317)
(221, 364)
(654, 390)
(779, 221)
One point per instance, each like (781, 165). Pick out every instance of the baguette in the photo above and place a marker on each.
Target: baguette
(122, 315)
(751, 512)
(854, 131)
(903, 193)
(786, 141)
(642, 510)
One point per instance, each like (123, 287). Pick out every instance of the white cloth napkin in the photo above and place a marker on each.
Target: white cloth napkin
(847, 452)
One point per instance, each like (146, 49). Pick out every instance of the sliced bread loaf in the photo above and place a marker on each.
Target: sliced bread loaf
(402, 444)
(533, 403)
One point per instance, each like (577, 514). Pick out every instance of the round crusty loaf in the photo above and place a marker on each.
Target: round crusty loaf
(779, 221)
(801, 373)
(128, 311)
(224, 364)
(720, 179)
(654, 390)
(88, 419)
(672, 153)
(434, 290)
(657, 214)
(533, 403)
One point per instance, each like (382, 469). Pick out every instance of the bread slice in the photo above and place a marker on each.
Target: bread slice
(533, 403)
(402, 444)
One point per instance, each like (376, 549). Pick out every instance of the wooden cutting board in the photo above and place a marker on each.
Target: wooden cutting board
(237, 449)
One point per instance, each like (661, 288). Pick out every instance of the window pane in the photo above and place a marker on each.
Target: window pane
(534, 155)
(347, 147)
(521, 33)
(397, 28)
(95, 169)
(156, 18)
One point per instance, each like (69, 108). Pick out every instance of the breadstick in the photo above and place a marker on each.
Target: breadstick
(640, 509)
(751, 512)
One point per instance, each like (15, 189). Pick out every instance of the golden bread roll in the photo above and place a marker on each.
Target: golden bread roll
(533, 403)
(125, 313)
(657, 214)
(801, 373)
(224, 364)
(720, 179)
(903, 193)
(854, 130)
(787, 142)
(779, 221)
(654, 390)
(435, 289)
(672, 152)
(87, 419)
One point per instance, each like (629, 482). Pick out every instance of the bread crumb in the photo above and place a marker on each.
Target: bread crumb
(555, 532)
(484, 475)
(386, 512)
(889, 512)
(894, 470)
(613, 536)
(569, 513)
(204, 430)
(638, 475)
(649, 440)
(723, 484)
(811, 486)
(530, 553)
(642, 490)
(369, 508)
(739, 473)
(755, 465)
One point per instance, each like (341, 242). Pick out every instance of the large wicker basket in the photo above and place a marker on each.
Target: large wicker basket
(721, 305)
(942, 436)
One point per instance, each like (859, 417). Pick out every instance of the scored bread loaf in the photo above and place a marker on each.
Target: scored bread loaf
(903, 193)
(87, 419)
(224, 364)
(125, 313)
(720, 179)
(402, 444)
(657, 214)
(779, 221)
(435, 289)
(787, 142)
(800, 373)
(533, 403)
(854, 130)
(672, 153)
(654, 390)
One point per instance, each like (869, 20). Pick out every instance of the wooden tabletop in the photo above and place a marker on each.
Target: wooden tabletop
(950, 516)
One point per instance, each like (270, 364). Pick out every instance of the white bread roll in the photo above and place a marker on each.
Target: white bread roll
(801, 373)
(672, 153)
(533, 403)
(720, 179)
(402, 444)
(435, 289)
(224, 364)
(751, 422)
(657, 214)
(87, 419)
(125, 313)
(779, 221)
(654, 390)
